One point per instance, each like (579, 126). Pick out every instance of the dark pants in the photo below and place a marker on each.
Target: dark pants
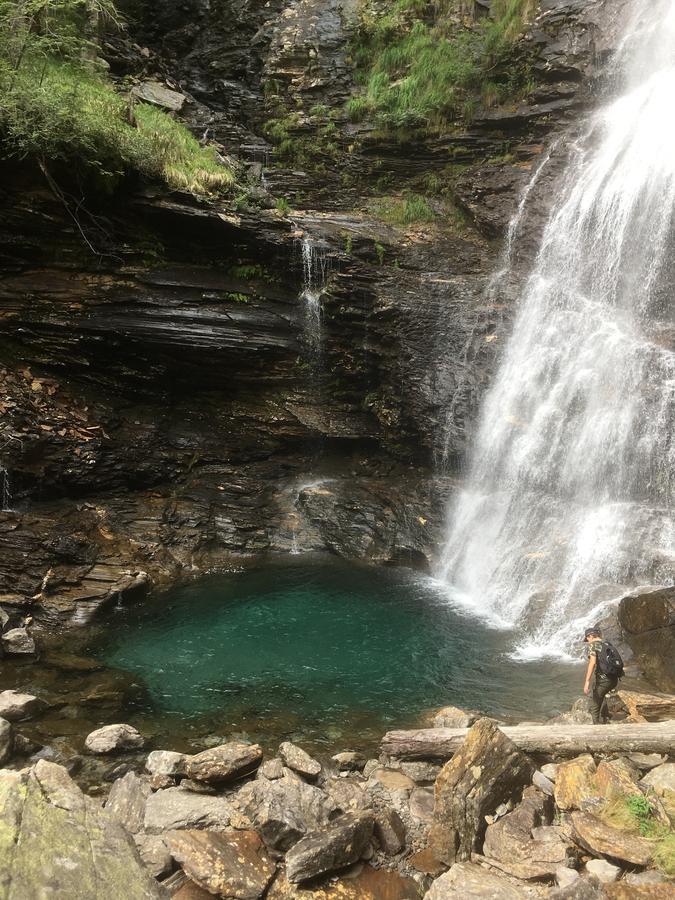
(602, 686)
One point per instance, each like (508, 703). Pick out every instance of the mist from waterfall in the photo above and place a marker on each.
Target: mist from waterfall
(570, 489)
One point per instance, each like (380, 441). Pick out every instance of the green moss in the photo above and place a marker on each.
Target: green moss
(423, 65)
(402, 211)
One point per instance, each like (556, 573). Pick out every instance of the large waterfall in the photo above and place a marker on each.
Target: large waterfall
(570, 490)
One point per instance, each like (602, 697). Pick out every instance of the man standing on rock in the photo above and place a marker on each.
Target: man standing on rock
(605, 681)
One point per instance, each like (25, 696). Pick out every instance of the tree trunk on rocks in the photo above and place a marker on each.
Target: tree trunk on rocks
(548, 740)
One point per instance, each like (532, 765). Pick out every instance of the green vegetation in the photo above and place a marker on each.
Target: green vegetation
(636, 814)
(58, 103)
(422, 65)
(282, 205)
(308, 142)
(407, 210)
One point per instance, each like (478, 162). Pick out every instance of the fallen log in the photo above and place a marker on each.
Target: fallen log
(548, 740)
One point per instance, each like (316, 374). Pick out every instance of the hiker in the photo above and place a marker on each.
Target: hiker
(605, 663)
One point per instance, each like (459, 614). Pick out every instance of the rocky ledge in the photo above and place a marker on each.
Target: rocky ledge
(486, 819)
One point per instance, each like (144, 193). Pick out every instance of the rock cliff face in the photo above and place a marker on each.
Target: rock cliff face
(163, 407)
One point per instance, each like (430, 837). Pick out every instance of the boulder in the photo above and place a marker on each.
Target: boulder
(565, 876)
(335, 846)
(649, 876)
(604, 871)
(422, 804)
(616, 778)
(361, 883)
(126, 802)
(15, 706)
(159, 94)
(18, 642)
(174, 808)
(550, 771)
(166, 762)
(575, 782)
(622, 891)
(6, 741)
(646, 761)
(68, 846)
(421, 772)
(454, 717)
(224, 763)
(544, 784)
(662, 779)
(601, 839)
(647, 618)
(390, 831)
(114, 739)
(487, 770)
(586, 888)
(347, 795)
(648, 707)
(390, 780)
(467, 881)
(349, 761)
(298, 761)
(227, 864)
(155, 854)
(284, 810)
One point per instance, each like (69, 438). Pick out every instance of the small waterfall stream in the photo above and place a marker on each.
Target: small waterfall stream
(571, 487)
(315, 267)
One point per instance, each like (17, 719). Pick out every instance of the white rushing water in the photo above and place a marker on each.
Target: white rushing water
(315, 274)
(569, 497)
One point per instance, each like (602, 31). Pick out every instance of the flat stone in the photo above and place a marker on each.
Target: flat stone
(69, 847)
(224, 763)
(662, 779)
(616, 778)
(155, 854)
(159, 95)
(298, 761)
(604, 871)
(581, 888)
(15, 706)
(488, 769)
(126, 802)
(166, 762)
(391, 780)
(645, 761)
(174, 808)
(575, 782)
(18, 642)
(191, 891)
(284, 810)
(604, 840)
(389, 831)
(338, 844)
(467, 881)
(362, 882)
(228, 864)
(454, 717)
(349, 761)
(543, 783)
(6, 740)
(424, 861)
(114, 739)
(649, 876)
(565, 876)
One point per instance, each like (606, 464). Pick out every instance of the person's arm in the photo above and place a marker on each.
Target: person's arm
(589, 673)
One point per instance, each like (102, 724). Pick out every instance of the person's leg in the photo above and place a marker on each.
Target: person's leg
(599, 711)
(596, 701)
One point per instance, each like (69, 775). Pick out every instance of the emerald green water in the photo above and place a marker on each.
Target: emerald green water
(323, 650)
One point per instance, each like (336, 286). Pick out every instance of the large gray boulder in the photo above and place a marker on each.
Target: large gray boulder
(114, 739)
(174, 808)
(224, 763)
(6, 741)
(285, 810)
(126, 802)
(56, 842)
(15, 706)
(487, 770)
(227, 864)
(333, 847)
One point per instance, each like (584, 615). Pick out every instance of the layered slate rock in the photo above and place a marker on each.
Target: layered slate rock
(604, 840)
(467, 881)
(227, 864)
(337, 845)
(174, 808)
(616, 778)
(15, 706)
(299, 761)
(126, 802)
(56, 842)
(487, 770)
(224, 763)
(365, 883)
(575, 782)
(114, 739)
(648, 623)
(6, 740)
(284, 810)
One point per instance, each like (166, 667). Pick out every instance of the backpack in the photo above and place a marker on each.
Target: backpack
(609, 661)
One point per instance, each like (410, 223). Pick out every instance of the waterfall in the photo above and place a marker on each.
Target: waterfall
(571, 482)
(315, 274)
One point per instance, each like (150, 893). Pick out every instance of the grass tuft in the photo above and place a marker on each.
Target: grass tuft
(635, 814)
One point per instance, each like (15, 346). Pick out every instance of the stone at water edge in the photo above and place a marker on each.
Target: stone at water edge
(487, 769)
(126, 802)
(575, 782)
(467, 881)
(166, 762)
(15, 706)
(6, 740)
(604, 871)
(18, 642)
(454, 717)
(298, 761)
(224, 763)
(338, 844)
(349, 761)
(601, 839)
(272, 769)
(227, 864)
(174, 808)
(114, 739)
